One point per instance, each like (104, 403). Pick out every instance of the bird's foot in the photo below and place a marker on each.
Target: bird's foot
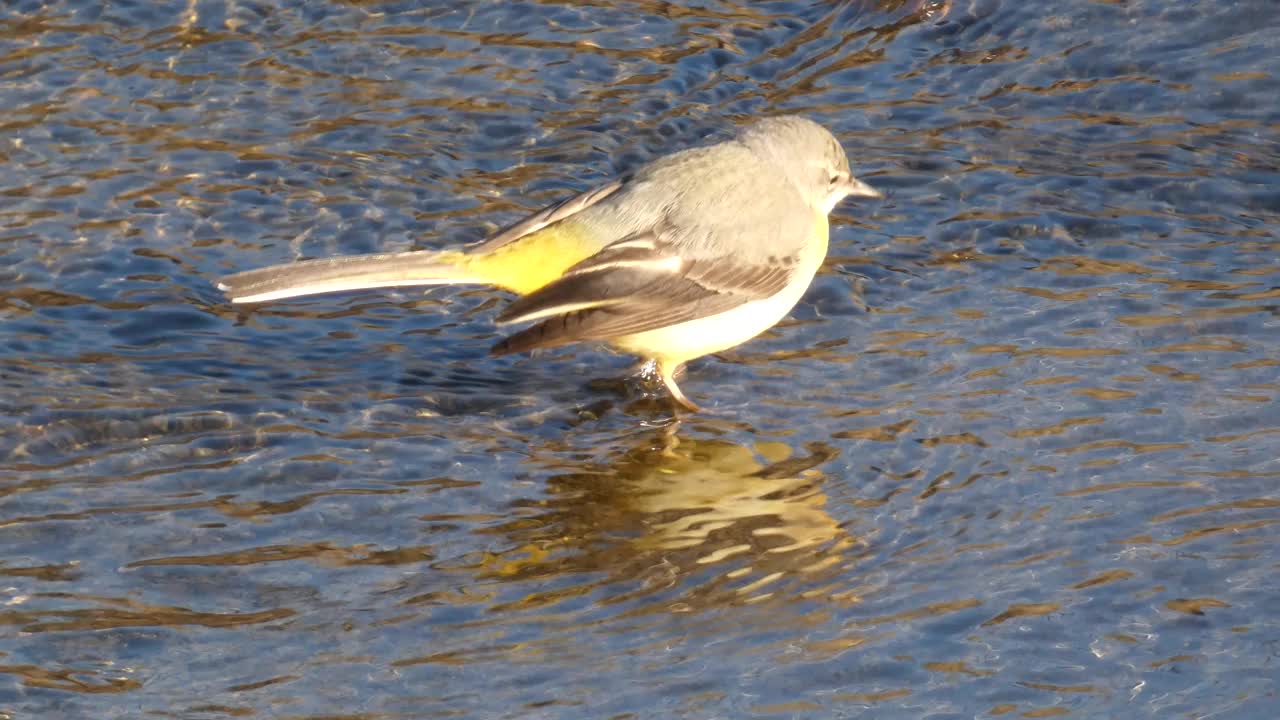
(653, 374)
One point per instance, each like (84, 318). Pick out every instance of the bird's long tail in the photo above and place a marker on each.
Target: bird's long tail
(344, 274)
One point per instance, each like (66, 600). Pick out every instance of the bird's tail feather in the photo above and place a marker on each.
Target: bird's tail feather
(344, 274)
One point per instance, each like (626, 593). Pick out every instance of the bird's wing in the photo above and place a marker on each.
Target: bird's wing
(547, 216)
(637, 284)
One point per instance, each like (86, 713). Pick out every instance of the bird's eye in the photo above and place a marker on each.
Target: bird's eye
(836, 180)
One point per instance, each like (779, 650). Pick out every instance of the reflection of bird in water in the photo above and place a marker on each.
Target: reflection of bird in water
(670, 508)
(706, 488)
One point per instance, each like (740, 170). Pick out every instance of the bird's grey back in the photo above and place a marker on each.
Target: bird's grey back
(736, 196)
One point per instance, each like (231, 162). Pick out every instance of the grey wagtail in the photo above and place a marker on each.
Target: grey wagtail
(691, 254)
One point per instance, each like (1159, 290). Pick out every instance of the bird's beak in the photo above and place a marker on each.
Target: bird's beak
(856, 188)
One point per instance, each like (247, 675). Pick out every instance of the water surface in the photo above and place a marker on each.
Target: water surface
(1015, 454)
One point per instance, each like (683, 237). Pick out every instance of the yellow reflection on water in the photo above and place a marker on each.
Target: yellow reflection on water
(667, 507)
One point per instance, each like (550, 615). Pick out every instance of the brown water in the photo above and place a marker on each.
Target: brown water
(1014, 455)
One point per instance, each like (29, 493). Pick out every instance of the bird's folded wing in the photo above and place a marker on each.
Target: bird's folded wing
(547, 216)
(634, 285)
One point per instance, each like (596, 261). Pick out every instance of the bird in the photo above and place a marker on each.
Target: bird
(693, 253)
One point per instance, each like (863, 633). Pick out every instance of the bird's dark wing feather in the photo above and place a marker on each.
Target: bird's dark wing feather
(637, 284)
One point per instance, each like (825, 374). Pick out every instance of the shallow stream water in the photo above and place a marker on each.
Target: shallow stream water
(1014, 454)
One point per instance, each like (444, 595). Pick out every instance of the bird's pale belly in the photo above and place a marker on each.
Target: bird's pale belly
(685, 341)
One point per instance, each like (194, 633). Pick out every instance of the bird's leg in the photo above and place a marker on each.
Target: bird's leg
(668, 374)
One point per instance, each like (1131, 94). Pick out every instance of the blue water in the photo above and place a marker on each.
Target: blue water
(1014, 455)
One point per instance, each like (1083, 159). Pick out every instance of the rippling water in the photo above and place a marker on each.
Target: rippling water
(1015, 454)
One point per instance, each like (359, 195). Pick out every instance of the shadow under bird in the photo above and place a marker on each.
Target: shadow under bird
(693, 253)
